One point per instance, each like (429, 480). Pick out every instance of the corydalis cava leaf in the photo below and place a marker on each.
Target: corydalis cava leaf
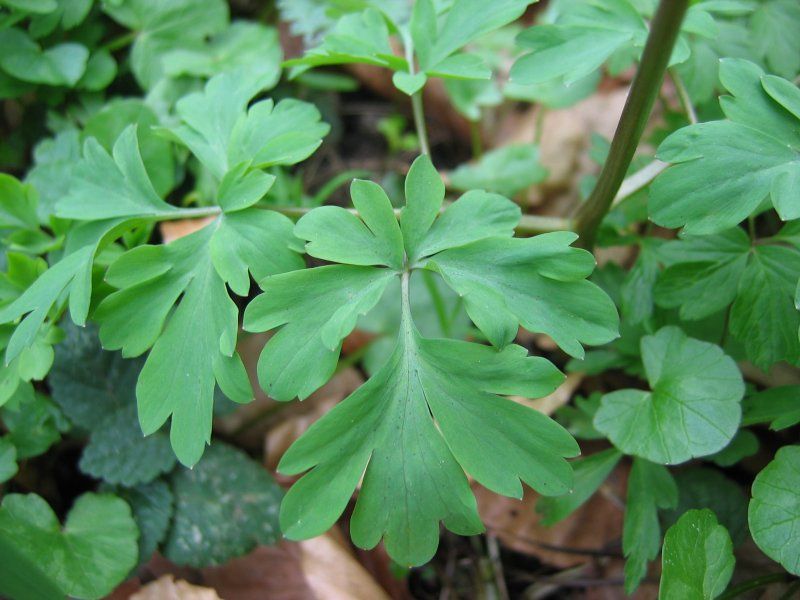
(433, 411)
(110, 195)
(222, 132)
(723, 170)
(385, 428)
(196, 349)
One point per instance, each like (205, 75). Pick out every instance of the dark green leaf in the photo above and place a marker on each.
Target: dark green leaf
(225, 506)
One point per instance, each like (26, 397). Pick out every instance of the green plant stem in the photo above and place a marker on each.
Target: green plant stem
(476, 139)
(683, 96)
(416, 98)
(663, 33)
(120, 42)
(419, 122)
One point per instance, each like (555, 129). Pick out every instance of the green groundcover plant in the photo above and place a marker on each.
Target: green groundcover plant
(141, 112)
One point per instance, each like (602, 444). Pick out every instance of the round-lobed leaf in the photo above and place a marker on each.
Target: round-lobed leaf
(90, 555)
(694, 408)
(774, 513)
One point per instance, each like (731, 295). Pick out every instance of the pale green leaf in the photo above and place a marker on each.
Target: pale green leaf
(315, 309)
(650, 487)
(386, 428)
(248, 48)
(697, 559)
(197, 346)
(110, 122)
(537, 282)
(165, 26)
(774, 513)
(94, 551)
(685, 415)
(21, 57)
(723, 170)
(222, 132)
(589, 474)
(506, 170)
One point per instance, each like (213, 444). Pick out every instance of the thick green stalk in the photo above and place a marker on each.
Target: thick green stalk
(663, 33)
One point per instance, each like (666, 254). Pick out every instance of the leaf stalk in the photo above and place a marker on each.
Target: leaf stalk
(644, 90)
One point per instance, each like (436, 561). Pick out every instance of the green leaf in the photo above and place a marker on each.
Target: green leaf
(506, 170)
(763, 315)
(112, 195)
(89, 556)
(589, 474)
(107, 187)
(222, 133)
(582, 39)
(34, 426)
(21, 57)
(772, 25)
(407, 83)
(316, 309)
(708, 273)
(650, 487)
(697, 558)
(66, 13)
(248, 48)
(704, 272)
(18, 202)
(162, 27)
(682, 417)
(743, 444)
(537, 282)
(101, 69)
(336, 235)
(356, 38)
(152, 507)
(637, 290)
(112, 121)
(701, 487)
(197, 347)
(465, 21)
(21, 577)
(424, 192)
(778, 406)
(54, 161)
(225, 506)
(432, 412)
(8, 459)
(456, 382)
(774, 513)
(439, 313)
(117, 453)
(723, 170)
(33, 6)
